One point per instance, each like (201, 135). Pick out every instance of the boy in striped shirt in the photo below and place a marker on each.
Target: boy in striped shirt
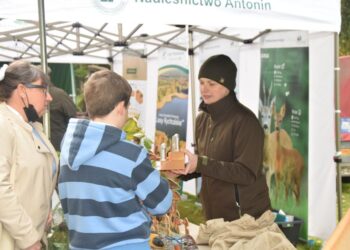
(107, 185)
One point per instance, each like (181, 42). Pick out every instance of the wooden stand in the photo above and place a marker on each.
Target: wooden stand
(175, 160)
(340, 239)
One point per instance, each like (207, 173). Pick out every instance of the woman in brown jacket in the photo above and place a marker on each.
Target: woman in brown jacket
(229, 147)
(28, 161)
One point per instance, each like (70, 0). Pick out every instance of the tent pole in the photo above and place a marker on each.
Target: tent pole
(193, 93)
(43, 57)
(337, 158)
(74, 94)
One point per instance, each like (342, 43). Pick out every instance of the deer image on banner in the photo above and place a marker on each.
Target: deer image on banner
(287, 162)
(265, 110)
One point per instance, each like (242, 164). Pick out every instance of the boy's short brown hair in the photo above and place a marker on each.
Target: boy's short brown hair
(103, 91)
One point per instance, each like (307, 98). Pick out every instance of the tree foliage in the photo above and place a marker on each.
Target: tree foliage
(344, 37)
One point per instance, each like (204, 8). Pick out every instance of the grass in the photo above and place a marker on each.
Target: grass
(191, 209)
(345, 198)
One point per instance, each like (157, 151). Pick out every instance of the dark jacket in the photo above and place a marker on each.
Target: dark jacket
(229, 142)
(62, 108)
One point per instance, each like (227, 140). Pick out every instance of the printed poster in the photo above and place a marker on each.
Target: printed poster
(134, 67)
(135, 71)
(172, 98)
(283, 112)
(138, 99)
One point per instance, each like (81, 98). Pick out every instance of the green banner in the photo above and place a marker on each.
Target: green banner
(283, 112)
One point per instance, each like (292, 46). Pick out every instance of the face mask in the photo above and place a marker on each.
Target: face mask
(31, 113)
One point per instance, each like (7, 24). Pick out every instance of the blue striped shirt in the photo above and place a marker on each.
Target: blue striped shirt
(108, 188)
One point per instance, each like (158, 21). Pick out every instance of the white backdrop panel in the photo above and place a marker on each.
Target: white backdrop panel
(249, 71)
(322, 187)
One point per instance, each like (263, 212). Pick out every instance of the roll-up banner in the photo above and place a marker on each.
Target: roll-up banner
(284, 115)
(172, 98)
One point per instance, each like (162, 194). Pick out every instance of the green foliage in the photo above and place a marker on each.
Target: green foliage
(191, 209)
(314, 244)
(131, 128)
(58, 238)
(345, 204)
(80, 103)
(81, 71)
(344, 37)
(147, 143)
(136, 134)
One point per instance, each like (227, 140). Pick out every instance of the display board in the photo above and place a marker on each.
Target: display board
(172, 100)
(284, 115)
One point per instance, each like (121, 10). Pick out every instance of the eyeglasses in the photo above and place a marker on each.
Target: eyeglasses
(34, 86)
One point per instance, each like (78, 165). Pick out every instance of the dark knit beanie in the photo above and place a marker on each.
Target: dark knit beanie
(220, 68)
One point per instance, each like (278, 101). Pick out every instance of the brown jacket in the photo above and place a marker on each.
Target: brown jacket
(229, 142)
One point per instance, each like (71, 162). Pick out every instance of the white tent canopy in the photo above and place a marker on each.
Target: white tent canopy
(93, 30)
(322, 15)
(97, 31)
(77, 42)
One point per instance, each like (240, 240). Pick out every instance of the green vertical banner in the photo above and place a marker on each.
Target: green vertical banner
(283, 112)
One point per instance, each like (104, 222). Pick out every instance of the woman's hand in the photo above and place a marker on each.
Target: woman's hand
(35, 246)
(191, 165)
(48, 222)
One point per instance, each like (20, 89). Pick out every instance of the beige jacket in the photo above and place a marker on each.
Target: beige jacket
(24, 207)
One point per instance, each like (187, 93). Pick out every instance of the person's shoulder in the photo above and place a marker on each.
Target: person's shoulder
(54, 90)
(245, 112)
(4, 121)
(202, 115)
(6, 124)
(4, 115)
(246, 116)
(133, 150)
(132, 144)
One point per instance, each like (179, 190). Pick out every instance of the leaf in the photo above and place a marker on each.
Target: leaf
(131, 126)
(147, 143)
(139, 135)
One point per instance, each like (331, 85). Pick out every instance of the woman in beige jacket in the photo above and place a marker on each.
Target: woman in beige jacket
(28, 161)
